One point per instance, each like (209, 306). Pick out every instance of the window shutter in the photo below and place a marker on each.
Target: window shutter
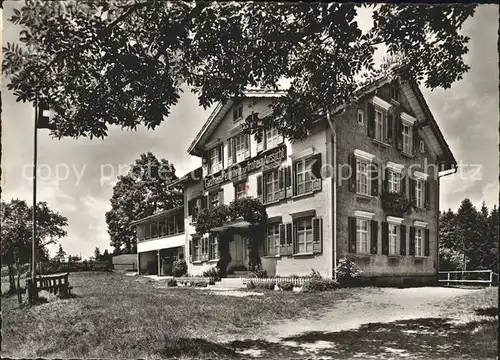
(385, 238)
(259, 144)
(385, 182)
(402, 182)
(190, 207)
(289, 239)
(374, 236)
(288, 181)
(317, 224)
(204, 202)
(210, 246)
(316, 172)
(294, 238)
(427, 195)
(399, 132)
(374, 179)
(416, 138)
(190, 250)
(352, 179)
(221, 150)
(351, 222)
(411, 250)
(427, 243)
(371, 120)
(204, 167)
(221, 196)
(281, 183)
(402, 237)
(230, 151)
(390, 125)
(259, 188)
(247, 146)
(412, 190)
(282, 234)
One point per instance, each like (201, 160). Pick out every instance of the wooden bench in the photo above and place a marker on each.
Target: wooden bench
(54, 284)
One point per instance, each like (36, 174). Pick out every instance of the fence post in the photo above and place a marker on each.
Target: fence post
(448, 282)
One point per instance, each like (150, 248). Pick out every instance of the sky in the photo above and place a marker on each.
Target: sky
(76, 176)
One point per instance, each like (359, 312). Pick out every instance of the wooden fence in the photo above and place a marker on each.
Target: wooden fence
(469, 277)
(295, 281)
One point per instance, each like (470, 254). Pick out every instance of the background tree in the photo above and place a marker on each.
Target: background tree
(16, 232)
(97, 253)
(467, 230)
(61, 254)
(101, 63)
(140, 193)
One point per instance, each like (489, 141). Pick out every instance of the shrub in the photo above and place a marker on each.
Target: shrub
(171, 282)
(250, 285)
(286, 286)
(212, 273)
(315, 275)
(264, 285)
(348, 273)
(294, 276)
(315, 284)
(260, 273)
(179, 267)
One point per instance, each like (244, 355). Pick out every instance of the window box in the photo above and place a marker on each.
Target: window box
(310, 253)
(382, 143)
(197, 262)
(395, 204)
(411, 156)
(364, 197)
(212, 261)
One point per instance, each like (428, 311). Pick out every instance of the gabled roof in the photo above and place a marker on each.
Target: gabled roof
(220, 112)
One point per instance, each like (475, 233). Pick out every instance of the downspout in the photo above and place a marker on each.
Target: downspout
(438, 213)
(334, 191)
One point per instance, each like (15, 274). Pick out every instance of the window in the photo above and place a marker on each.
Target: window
(162, 224)
(214, 247)
(273, 138)
(271, 186)
(304, 235)
(407, 148)
(362, 242)
(361, 117)
(273, 240)
(394, 182)
(395, 93)
(393, 239)
(303, 176)
(214, 199)
(196, 249)
(422, 146)
(380, 126)
(419, 242)
(419, 193)
(196, 207)
(237, 113)
(215, 159)
(170, 226)
(240, 190)
(362, 177)
(154, 229)
(240, 147)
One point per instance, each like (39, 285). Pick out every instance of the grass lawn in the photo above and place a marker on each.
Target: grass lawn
(114, 315)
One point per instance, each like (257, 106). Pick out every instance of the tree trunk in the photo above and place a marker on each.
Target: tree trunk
(12, 282)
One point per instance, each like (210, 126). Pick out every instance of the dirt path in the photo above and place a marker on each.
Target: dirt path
(374, 305)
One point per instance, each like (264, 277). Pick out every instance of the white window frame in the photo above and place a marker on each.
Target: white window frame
(238, 111)
(380, 124)
(407, 137)
(361, 117)
(419, 193)
(419, 242)
(271, 186)
(273, 239)
(213, 250)
(422, 146)
(214, 197)
(238, 192)
(394, 181)
(362, 236)
(303, 176)
(239, 148)
(365, 158)
(214, 163)
(362, 181)
(305, 236)
(394, 234)
(273, 138)
(197, 248)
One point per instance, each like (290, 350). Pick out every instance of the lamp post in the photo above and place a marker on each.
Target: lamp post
(34, 292)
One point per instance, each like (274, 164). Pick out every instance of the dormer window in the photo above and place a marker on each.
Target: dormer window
(395, 93)
(237, 113)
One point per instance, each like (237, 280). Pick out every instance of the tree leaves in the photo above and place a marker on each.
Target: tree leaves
(123, 63)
